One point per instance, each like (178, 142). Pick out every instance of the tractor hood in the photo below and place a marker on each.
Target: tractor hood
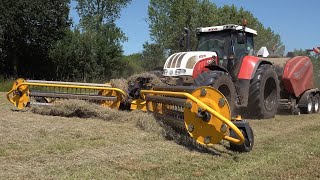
(183, 63)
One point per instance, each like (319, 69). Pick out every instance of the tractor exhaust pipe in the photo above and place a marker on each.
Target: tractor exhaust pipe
(188, 35)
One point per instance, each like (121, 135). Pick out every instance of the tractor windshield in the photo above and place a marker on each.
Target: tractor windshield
(214, 41)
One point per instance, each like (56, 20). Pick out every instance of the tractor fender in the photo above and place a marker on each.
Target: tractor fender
(200, 67)
(217, 68)
(247, 71)
(207, 78)
(249, 67)
(303, 101)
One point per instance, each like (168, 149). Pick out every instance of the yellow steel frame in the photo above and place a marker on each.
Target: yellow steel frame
(22, 83)
(204, 108)
(21, 100)
(75, 87)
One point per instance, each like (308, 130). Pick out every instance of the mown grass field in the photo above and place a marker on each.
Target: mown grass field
(50, 147)
(5, 84)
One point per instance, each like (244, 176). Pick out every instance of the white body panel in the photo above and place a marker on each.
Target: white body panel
(182, 63)
(263, 52)
(225, 27)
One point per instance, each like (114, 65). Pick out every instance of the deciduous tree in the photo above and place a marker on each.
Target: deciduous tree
(27, 31)
(167, 18)
(92, 52)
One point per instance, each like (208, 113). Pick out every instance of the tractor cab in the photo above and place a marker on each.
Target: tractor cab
(230, 42)
(218, 47)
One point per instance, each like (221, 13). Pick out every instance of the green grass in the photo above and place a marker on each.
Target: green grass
(51, 147)
(5, 85)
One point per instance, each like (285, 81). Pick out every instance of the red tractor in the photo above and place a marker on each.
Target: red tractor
(255, 86)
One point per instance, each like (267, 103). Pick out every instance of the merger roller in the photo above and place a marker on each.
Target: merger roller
(35, 92)
(202, 112)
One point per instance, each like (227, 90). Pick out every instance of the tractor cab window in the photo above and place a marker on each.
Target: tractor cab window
(250, 45)
(244, 48)
(216, 42)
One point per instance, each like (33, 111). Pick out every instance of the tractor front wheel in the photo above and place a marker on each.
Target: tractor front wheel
(221, 81)
(264, 93)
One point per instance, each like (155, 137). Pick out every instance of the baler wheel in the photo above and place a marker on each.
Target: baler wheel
(246, 146)
(316, 103)
(310, 106)
(264, 93)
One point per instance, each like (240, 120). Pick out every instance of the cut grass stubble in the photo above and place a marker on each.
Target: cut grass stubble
(47, 147)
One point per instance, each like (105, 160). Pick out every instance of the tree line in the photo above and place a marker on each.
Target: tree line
(37, 39)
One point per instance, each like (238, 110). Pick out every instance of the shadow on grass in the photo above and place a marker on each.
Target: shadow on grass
(180, 137)
(19, 110)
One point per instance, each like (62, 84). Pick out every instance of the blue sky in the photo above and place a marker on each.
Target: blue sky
(296, 21)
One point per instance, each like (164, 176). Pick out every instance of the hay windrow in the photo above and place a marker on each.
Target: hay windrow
(154, 79)
(84, 109)
(120, 84)
(127, 84)
(75, 108)
(124, 84)
(150, 125)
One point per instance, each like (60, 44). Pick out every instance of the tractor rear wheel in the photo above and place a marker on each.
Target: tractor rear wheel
(264, 93)
(221, 81)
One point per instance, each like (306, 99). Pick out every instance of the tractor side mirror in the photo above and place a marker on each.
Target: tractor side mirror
(241, 38)
(186, 41)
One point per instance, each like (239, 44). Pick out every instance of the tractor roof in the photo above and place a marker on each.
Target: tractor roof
(225, 27)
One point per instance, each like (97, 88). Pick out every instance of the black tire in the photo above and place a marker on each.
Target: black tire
(246, 146)
(316, 103)
(310, 107)
(264, 93)
(221, 81)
